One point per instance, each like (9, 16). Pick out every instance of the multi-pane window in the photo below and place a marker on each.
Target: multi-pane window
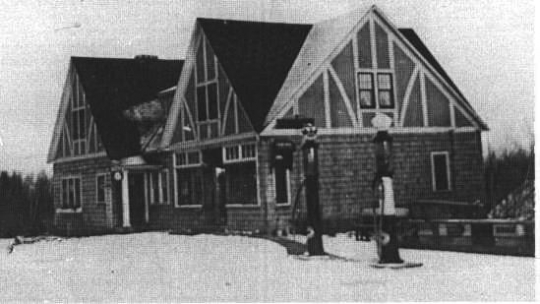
(100, 188)
(71, 193)
(238, 153)
(158, 187)
(366, 90)
(440, 171)
(240, 174)
(384, 85)
(189, 178)
(281, 176)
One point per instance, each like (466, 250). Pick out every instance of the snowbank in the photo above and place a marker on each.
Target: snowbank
(152, 267)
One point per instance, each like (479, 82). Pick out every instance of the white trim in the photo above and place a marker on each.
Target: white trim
(125, 200)
(424, 98)
(187, 164)
(235, 109)
(448, 173)
(452, 114)
(194, 128)
(195, 144)
(288, 181)
(146, 198)
(80, 157)
(183, 81)
(98, 175)
(68, 178)
(349, 130)
(373, 42)
(407, 95)
(175, 180)
(226, 110)
(241, 157)
(344, 96)
(60, 210)
(327, 112)
(416, 57)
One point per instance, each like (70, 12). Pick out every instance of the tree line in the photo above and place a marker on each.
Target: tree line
(26, 204)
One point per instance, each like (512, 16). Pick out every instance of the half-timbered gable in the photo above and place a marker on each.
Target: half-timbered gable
(75, 133)
(372, 68)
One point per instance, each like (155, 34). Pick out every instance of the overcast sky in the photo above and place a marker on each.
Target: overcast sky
(485, 46)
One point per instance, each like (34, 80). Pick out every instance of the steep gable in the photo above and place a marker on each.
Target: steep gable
(109, 87)
(256, 57)
(234, 70)
(368, 67)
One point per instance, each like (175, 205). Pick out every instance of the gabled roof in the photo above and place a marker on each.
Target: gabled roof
(113, 85)
(324, 39)
(417, 43)
(256, 57)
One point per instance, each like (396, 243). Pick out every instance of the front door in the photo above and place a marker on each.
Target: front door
(136, 199)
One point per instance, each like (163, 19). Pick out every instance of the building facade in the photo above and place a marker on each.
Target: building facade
(207, 156)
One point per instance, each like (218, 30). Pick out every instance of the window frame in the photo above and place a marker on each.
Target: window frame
(241, 157)
(287, 182)
(447, 168)
(151, 190)
(371, 90)
(390, 91)
(70, 208)
(181, 167)
(104, 176)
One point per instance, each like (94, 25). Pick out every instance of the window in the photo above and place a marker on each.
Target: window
(71, 193)
(281, 177)
(366, 88)
(188, 159)
(189, 184)
(100, 188)
(440, 171)
(189, 178)
(241, 183)
(386, 99)
(158, 187)
(245, 152)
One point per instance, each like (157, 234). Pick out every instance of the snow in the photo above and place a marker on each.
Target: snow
(158, 267)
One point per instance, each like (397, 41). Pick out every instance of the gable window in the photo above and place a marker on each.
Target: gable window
(71, 193)
(282, 182)
(158, 187)
(366, 91)
(240, 174)
(365, 87)
(440, 171)
(100, 188)
(385, 94)
(189, 180)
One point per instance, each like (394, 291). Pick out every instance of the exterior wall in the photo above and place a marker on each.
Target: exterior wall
(94, 217)
(346, 169)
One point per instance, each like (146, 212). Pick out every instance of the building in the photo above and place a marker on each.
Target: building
(210, 160)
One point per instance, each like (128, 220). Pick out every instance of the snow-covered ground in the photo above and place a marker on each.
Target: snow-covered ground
(156, 266)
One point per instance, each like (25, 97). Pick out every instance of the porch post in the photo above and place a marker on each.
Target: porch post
(125, 200)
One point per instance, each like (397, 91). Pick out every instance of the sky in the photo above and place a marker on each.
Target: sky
(486, 46)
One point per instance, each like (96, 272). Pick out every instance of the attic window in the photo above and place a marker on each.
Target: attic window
(383, 86)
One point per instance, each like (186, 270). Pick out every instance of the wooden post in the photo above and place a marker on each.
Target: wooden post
(125, 200)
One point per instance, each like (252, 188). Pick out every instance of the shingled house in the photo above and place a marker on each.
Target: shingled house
(212, 162)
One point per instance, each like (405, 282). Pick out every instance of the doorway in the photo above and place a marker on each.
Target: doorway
(136, 199)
